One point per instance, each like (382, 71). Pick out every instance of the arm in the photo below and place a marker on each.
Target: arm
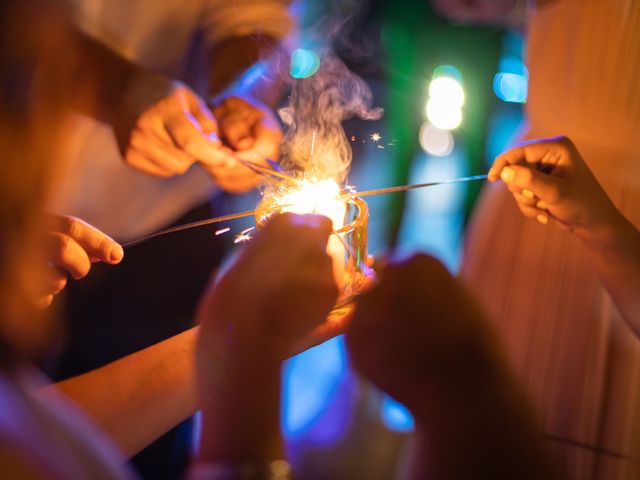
(247, 334)
(550, 181)
(141, 396)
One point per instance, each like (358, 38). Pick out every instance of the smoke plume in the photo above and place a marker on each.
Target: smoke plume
(315, 142)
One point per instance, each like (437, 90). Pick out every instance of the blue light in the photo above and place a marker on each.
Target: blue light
(304, 63)
(310, 381)
(510, 87)
(396, 416)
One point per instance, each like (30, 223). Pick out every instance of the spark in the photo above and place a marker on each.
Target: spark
(381, 147)
(376, 137)
(222, 230)
(242, 237)
(313, 143)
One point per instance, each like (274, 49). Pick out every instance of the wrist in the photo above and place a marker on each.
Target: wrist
(613, 234)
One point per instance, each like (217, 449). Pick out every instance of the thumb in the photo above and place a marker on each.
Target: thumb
(544, 186)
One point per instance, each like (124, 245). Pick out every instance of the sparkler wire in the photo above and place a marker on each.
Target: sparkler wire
(248, 213)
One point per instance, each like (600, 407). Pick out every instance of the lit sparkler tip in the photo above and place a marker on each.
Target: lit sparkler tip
(376, 137)
(222, 230)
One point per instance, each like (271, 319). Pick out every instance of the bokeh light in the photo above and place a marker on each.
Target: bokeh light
(304, 63)
(446, 98)
(443, 115)
(435, 141)
(447, 89)
(510, 87)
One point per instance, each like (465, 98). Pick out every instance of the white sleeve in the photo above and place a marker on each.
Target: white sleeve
(237, 18)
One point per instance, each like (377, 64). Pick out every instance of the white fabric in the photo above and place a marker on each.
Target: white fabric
(158, 35)
(56, 438)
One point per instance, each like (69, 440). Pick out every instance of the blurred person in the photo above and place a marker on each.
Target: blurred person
(182, 92)
(564, 330)
(133, 400)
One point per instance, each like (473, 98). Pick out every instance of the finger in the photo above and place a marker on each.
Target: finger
(205, 119)
(57, 281)
(268, 137)
(96, 244)
(161, 151)
(545, 153)
(234, 176)
(67, 254)
(311, 228)
(164, 158)
(142, 163)
(529, 212)
(44, 302)
(544, 186)
(236, 132)
(525, 201)
(187, 135)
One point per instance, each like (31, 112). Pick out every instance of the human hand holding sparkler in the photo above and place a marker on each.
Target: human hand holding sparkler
(550, 180)
(275, 292)
(251, 132)
(165, 127)
(73, 245)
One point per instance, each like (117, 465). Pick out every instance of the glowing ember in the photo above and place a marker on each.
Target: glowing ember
(376, 137)
(242, 237)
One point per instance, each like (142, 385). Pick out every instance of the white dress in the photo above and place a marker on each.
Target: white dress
(565, 339)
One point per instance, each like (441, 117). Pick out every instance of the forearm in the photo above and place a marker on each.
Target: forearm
(615, 250)
(141, 396)
(114, 90)
(249, 64)
(241, 423)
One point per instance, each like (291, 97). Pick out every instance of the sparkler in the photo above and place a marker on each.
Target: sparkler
(291, 181)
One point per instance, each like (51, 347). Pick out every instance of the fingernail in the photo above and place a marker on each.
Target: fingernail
(116, 254)
(543, 219)
(541, 205)
(527, 193)
(507, 174)
(213, 137)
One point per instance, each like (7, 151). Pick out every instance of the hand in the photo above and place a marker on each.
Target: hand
(250, 129)
(550, 180)
(168, 128)
(420, 337)
(73, 246)
(276, 291)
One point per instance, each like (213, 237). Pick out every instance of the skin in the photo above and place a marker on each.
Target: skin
(552, 184)
(246, 334)
(163, 127)
(157, 385)
(73, 245)
(420, 337)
